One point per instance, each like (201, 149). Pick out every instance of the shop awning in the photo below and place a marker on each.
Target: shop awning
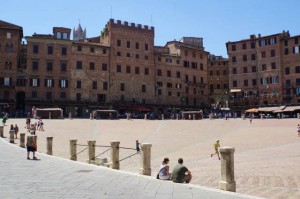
(235, 90)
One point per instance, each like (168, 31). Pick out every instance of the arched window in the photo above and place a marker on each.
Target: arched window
(65, 35)
(58, 35)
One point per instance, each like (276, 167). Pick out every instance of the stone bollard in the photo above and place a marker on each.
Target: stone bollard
(49, 115)
(1, 132)
(227, 181)
(91, 116)
(91, 151)
(115, 151)
(73, 150)
(261, 116)
(162, 116)
(298, 115)
(22, 140)
(177, 117)
(146, 159)
(70, 115)
(12, 136)
(49, 145)
(145, 117)
(194, 117)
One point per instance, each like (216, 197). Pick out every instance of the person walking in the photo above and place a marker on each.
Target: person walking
(298, 130)
(216, 146)
(180, 173)
(4, 120)
(16, 131)
(137, 146)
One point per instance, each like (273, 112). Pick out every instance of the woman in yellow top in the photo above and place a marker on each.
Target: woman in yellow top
(216, 146)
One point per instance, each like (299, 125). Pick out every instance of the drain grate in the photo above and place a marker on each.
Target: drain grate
(84, 171)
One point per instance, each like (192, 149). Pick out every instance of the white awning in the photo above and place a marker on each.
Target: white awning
(235, 90)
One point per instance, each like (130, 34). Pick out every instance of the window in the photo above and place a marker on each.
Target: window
(128, 69)
(94, 85)
(119, 43)
(225, 86)
(186, 64)
(272, 53)
(34, 94)
(288, 82)
(9, 48)
(211, 73)
(245, 69)
(63, 66)
(233, 59)
(169, 93)
(63, 95)
(244, 46)
(146, 47)
(274, 80)
(178, 74)
(78, 97)
(263, 67)
(63, 51)
(122, 87)
(128, 44)
(79, 64)
(105, 85)
(137, 56)
(65, 35)
(58, 35)
(201, 66)
(92, 66)
(159, 72)
(218, 86)
(146, 57)
(8, 35)
(7, 81)
(234, 83)
(218, 73)
(35, 49)
(63, 83)
(119, 54)
(137, 70)
(146, 71)
(50, 50)
(298, 82)
(286, 51)
(168, 60)
(104, 67)
(286, 43)
(79, 48)
(35, 65)
(104, 51)
(233, 47)
(35, 82)
(92, 49)
(137, 45)
(78, 84)
(252, 44)
(49, 66)
(245, 82)
(49, 83)
(158, 58)
(264, 81)
(8, 65)
(187, 90)
(262, 42)
(234, 71)
(297, 69)
(169, 85)
(296, 40)
(224, 72)
(186, 78)
(287, 70)
(253, 57)
(296, 49)
(178, 86)
(21, 82)
(254, 83)
(159, 92)
(118, 68)
(263, 54)
(253, 68)
(143, 88)
(168, 73)
(101, 97)
(273, 65)
(128, 54)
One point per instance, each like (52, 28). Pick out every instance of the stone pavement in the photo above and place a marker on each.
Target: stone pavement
(53, 177)
(266, 157)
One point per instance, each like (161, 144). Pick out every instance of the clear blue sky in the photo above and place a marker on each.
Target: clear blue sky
(216, 21)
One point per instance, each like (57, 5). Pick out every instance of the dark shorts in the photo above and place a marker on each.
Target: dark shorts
(31, 149)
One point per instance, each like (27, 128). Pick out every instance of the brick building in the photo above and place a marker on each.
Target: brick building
(263, 70)
(10, 66)
(218, 81)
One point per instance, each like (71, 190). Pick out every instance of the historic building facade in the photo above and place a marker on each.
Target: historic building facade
(263, 71)
(218, 81)
(11, 63)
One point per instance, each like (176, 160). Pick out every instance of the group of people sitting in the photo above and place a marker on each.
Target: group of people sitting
(180, 173)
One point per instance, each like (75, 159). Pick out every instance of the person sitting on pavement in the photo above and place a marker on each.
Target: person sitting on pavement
(164, 173)
(180, 173)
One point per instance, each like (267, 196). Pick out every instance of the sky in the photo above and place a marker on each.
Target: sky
(216, 21)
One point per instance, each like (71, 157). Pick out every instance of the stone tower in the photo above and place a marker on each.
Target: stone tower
(79, 34)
